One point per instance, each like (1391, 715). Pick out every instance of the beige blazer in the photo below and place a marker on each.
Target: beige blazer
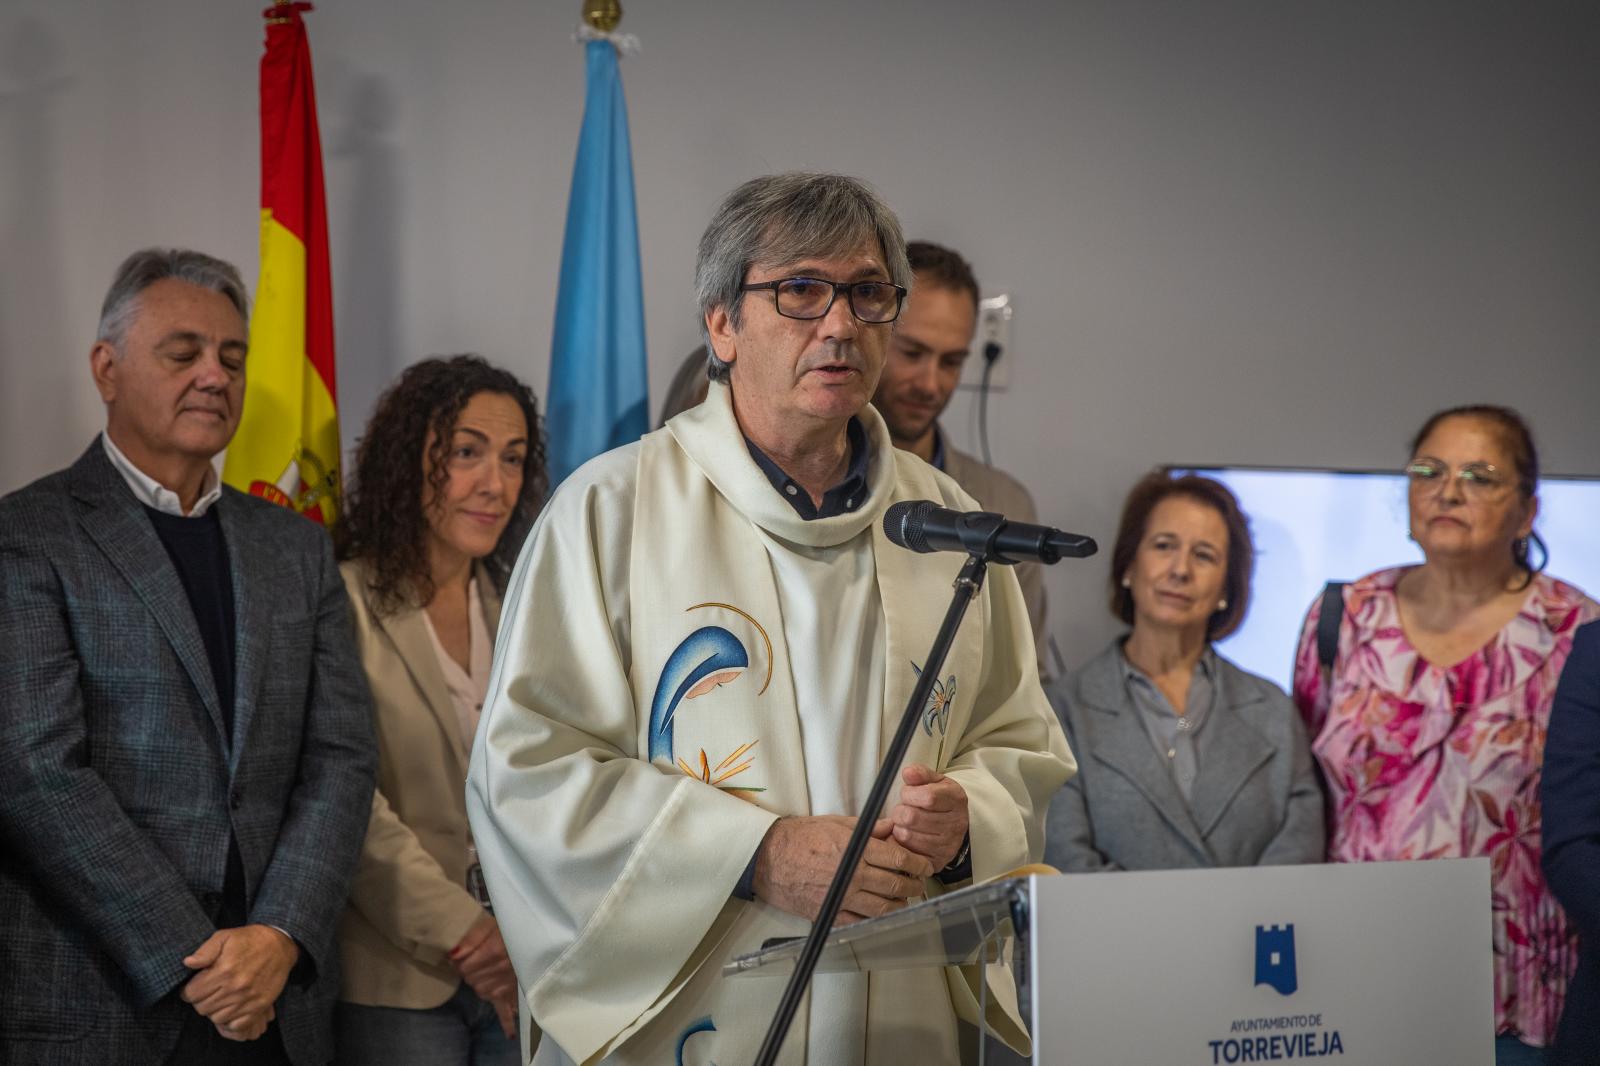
(408, 901)
(996, 490)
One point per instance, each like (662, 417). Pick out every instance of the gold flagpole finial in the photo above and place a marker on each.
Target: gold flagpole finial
(603, 15)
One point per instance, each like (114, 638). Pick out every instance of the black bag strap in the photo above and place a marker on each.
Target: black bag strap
(1328, 622)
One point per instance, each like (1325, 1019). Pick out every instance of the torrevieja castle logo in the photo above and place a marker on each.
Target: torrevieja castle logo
(1275, 958)
(1280, 1037)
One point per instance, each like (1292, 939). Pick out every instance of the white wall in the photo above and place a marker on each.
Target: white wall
(1235, 232)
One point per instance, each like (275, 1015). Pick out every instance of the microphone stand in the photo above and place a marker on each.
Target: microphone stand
(967, 584)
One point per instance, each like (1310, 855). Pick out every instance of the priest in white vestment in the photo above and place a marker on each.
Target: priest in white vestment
(705, 648)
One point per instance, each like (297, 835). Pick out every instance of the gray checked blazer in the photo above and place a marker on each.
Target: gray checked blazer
(1256, 799)
(119, 791)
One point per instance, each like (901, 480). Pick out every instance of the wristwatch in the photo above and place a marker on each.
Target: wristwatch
(962, 856)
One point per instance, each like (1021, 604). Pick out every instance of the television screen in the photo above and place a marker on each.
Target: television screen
(1314, 526)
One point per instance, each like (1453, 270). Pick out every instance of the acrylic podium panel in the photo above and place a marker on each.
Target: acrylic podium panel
(949, 930)
(1365, 964)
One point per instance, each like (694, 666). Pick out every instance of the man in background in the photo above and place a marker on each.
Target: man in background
(185, 730)
(927, 351)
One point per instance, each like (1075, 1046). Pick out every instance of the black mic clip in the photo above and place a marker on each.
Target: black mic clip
(979, 532)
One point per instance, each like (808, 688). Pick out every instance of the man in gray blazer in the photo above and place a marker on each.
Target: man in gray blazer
(930, 345)
(185, 730)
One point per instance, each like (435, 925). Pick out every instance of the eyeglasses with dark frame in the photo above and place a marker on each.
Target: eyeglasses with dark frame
(873, 302)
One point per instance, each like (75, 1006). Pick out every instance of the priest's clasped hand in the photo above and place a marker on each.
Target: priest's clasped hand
(798, 856)
(931, 817)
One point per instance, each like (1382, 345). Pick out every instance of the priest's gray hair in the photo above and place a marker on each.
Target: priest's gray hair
(780, 219)
(144, 268)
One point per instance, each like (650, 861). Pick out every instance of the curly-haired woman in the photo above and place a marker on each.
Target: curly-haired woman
(448, 478)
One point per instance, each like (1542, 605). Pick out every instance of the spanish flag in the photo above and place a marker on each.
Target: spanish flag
(287, 447)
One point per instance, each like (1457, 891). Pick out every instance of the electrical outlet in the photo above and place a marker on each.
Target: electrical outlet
(994, 327)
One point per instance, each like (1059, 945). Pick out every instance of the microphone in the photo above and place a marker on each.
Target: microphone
(924, 526)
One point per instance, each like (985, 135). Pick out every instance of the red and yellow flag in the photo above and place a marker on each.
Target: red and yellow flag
(287, 446)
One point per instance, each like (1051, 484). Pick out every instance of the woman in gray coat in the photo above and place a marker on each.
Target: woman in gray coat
(1184, 760)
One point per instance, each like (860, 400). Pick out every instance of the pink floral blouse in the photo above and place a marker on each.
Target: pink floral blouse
(1426, 763)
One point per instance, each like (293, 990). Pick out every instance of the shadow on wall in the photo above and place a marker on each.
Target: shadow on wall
(41, 369)
(363, 162)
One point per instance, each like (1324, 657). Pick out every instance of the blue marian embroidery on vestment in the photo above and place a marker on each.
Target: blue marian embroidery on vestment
(702, 1026)
(704, 661)
(708, 657)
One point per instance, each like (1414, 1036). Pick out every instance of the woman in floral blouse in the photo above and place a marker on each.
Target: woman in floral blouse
(1430, 724)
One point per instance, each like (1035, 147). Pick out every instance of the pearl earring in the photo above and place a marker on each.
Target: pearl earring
(1222, 605)
(1127, 582)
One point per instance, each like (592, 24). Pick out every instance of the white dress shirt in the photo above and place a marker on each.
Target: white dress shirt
(152, 494)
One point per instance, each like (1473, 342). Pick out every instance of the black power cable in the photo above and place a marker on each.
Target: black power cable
(991, 355)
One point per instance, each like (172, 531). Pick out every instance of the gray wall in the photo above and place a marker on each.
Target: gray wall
(1235, 232)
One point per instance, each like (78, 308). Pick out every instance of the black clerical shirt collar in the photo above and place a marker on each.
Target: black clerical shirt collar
(843, 498)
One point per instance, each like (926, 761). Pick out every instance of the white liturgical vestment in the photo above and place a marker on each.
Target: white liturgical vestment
(679, 665)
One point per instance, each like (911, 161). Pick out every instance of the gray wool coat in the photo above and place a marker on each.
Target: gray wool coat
(1257, 799)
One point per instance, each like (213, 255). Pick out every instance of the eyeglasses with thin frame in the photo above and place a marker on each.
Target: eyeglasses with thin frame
(1480, 480)
(873, 302)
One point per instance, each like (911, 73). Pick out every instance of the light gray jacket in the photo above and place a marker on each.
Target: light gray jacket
(1256, 801)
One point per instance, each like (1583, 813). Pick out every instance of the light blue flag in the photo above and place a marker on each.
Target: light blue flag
(598, 397)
